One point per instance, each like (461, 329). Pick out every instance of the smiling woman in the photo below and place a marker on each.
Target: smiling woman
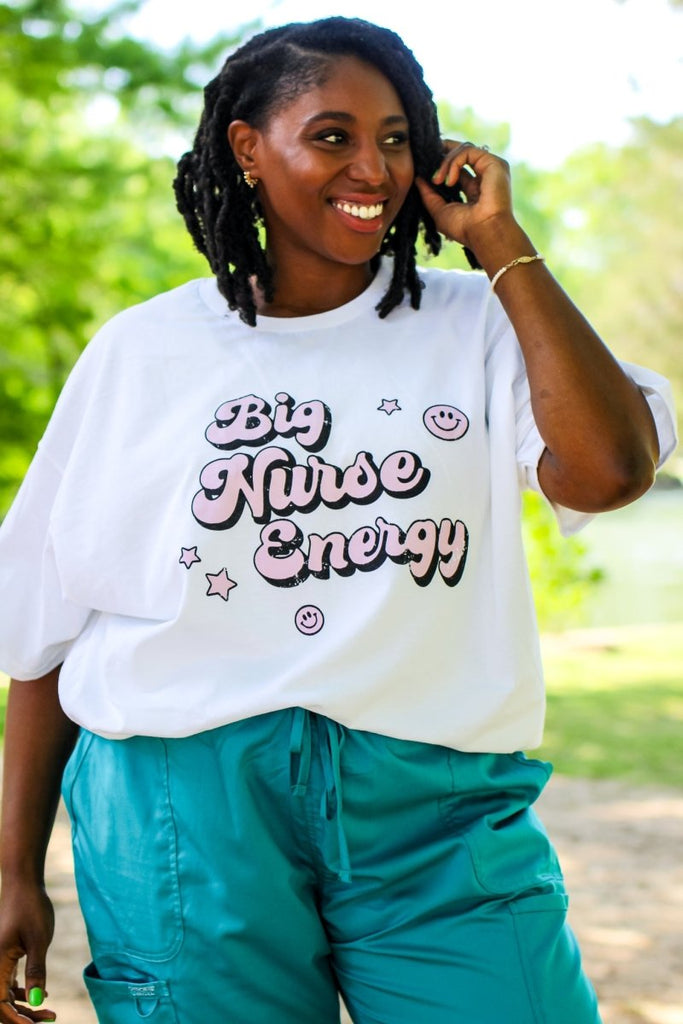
(333, 171)
(340, 91)
(264, 585)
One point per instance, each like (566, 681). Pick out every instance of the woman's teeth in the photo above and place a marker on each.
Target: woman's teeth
(363, 212)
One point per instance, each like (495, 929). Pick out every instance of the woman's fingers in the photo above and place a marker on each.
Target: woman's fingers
(13, 1011)
(27, 925)
(17, 1009)
(462, 163)
(432, 201)
(483, 181)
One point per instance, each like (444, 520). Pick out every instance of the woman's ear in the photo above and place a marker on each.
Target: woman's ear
(242, 139)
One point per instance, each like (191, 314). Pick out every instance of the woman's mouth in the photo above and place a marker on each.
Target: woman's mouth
(360, 210)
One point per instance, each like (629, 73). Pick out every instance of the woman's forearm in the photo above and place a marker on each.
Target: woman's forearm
(38, 741)
(601, 440)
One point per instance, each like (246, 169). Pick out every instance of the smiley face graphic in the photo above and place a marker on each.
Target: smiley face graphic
(446, 422)
(309, 620)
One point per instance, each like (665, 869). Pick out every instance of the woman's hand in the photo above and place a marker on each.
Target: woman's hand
(484, 181)
(38, 741)
(26, 929)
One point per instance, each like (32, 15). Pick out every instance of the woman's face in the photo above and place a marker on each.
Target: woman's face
(334, 168)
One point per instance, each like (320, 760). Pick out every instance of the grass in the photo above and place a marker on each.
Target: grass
(615, 704)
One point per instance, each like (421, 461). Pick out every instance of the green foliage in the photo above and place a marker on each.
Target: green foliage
(558, 566)
(462, 124)
(88, 236)
(51, 54)
(88, 220)
(617, 245)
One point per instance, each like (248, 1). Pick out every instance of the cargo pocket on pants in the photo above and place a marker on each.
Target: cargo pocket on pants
(125, 846)
(509, 847)
(551, 962)
(127, 1002)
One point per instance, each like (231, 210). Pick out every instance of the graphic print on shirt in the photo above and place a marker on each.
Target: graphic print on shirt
(271, 485)
(446, 422)
(220, 584)
(389, 405)
(188, 556)
(246, 421)
(309, 620)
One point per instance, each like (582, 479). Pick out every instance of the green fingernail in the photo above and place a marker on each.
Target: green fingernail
(35, 997)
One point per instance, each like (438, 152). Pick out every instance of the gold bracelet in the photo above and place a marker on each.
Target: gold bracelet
(508, 266)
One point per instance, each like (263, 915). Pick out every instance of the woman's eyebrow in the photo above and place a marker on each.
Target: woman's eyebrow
(343, 115)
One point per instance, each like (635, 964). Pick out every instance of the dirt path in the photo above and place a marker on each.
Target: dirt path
(622, 851)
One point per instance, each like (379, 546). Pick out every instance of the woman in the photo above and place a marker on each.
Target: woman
(270, 547)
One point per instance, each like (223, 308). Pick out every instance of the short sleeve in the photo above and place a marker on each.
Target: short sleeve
(37, 624)
(659, 395)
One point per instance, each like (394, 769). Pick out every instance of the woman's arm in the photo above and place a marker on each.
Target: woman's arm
(38, 741)
(601, 442)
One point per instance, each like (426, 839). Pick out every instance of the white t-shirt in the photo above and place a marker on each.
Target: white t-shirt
(323, 511)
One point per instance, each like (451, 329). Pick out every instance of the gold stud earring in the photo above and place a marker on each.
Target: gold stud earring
(249, 180)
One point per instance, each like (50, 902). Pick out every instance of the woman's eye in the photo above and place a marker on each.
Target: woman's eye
(396, 139)
(334, 137)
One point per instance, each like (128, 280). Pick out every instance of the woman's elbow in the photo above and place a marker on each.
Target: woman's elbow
(628, 480)
(598, 484)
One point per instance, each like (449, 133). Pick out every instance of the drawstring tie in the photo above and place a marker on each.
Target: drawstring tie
(330, 741)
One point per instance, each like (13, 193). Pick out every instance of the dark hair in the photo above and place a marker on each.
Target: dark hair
(265, 74)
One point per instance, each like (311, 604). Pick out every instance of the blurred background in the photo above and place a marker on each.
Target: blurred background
(583, 97)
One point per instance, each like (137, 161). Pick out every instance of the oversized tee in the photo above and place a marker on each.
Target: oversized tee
(322, 512)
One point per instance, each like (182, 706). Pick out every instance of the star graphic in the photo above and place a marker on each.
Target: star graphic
(188, 556)
(389, 405)
(219, 583)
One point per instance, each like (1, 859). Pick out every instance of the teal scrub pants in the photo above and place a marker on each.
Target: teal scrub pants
(251, 873)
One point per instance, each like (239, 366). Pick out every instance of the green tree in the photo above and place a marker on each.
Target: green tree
(618, 243)
(87, 221)
(55, 56)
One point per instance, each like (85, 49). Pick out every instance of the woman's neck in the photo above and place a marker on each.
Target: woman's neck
(307, 291)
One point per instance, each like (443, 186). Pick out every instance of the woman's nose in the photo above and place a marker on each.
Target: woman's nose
(368, 165)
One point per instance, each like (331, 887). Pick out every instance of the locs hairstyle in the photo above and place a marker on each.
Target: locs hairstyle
(263, 76)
